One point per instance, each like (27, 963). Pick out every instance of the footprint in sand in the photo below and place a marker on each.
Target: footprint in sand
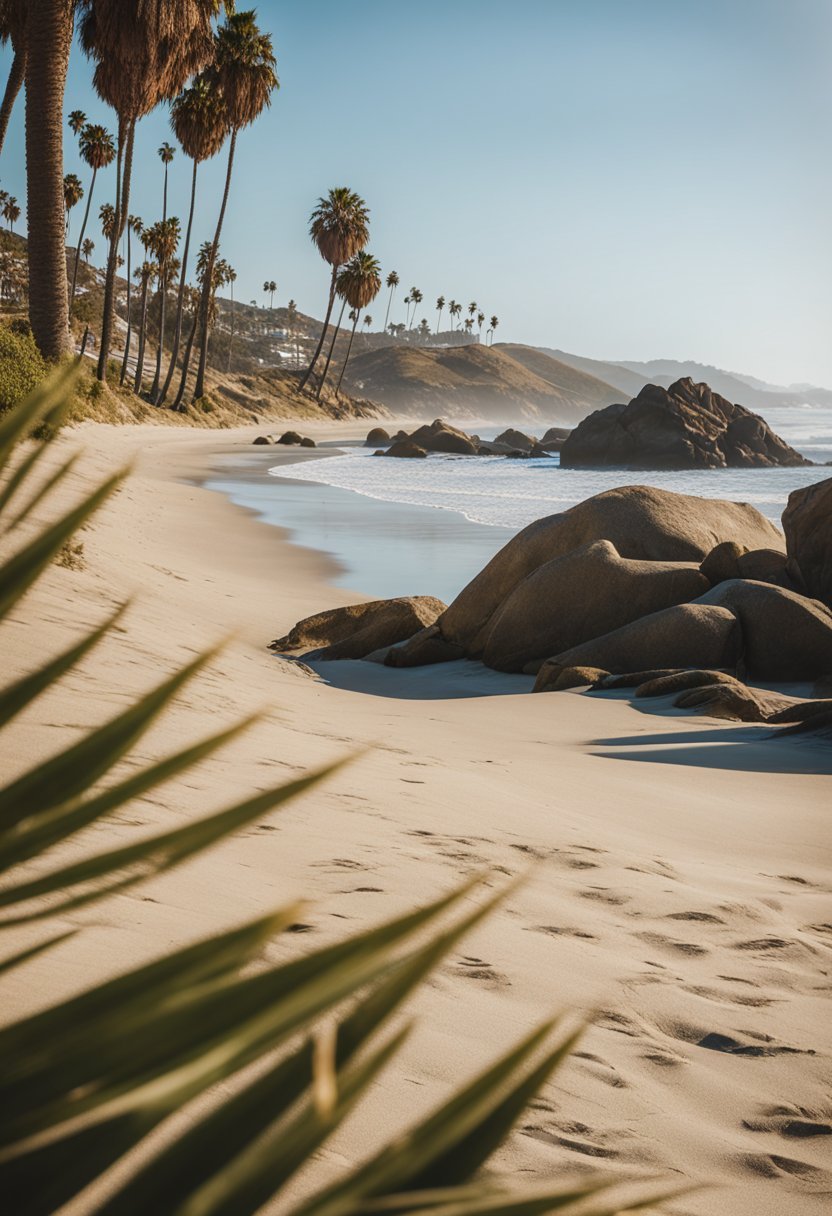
(471, 968)
(770, 1165)
(562, 931)
(669, 943)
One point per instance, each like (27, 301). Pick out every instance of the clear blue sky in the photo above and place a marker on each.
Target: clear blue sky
(618, 178)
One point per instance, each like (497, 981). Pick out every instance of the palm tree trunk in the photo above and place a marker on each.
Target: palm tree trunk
(331, 349)
(387, 314)
(207, 287)
(319, 348)
(231, 339)
(123, 375)
(154, 389)
(186, 363)
(49, 38)
(346, 357)
(81, 240)
(15, 80)
(127, 130)
(137, 383)
(180, 302)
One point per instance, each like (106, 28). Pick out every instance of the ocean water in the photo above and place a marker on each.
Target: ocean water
(426, 527)
(512, 493)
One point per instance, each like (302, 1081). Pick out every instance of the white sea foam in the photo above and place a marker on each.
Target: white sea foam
(512, 493)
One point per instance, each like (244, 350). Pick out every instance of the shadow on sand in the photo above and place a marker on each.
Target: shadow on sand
(440, 682)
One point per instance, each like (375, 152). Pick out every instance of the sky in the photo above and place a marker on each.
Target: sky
(623, 179)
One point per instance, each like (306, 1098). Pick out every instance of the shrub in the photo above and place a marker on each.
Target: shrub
(21, 365)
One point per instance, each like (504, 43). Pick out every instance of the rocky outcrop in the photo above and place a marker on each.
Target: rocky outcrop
(642, 522)
(359, 629)
(730, 560)
(377, 438)
(288, 439)
(785, 636)
(554, 438)
(404, 449)
(441, 437)
(807, 522)
(582, 595)
(686, 426)
(688, 635)
(516, 439)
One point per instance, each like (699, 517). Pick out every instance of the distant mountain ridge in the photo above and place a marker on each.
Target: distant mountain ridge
(743, 390)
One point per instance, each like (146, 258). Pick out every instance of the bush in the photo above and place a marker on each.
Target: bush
(21, 365)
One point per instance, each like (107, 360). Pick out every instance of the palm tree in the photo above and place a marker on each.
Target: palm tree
(454, 309)
(416, 300)
(392, 281)
(107, 216)
(232, 279)
(166, 154)
(493, 323)
(269, 288)
(97, 149)
(244, 72)
(13, 30)
(472, 310)
(440, 304)
(406, 303)
(87, 249)
(144, 274)
(144, 55)
(367, 322)
(331, 350)
(73, 193)
(11, 212)
(134, 224)
(339, 227)
(165, 241)
(469, 324)
(198, 121)
(77, 121)
(48, 42)
(292, 326)
(423, 329)
(480, 319)
(360, 283)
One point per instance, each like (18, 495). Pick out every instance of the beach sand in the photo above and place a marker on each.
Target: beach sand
(680, 886)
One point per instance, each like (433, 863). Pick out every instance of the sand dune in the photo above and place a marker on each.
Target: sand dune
(679, 890)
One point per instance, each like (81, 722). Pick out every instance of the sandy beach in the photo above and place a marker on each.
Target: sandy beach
(680, 885)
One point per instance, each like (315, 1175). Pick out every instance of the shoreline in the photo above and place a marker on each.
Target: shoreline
(680, 882)
(376, 548)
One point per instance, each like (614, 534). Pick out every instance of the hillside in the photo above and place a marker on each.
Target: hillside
(581, 385)
(628, 382)
(473, 382)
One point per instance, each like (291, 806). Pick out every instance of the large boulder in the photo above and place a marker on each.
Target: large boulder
(641, 521)
(583, 595)
(687, 635)
(358, 629)
(807, 522)
(786, 636)
(377, 438)
(404, 449)
(555, 435)
(686, 426)
(440, 437)
(516, 439)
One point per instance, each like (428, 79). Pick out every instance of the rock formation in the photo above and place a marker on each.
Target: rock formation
(807, 522)
(686, 426)
(641, 522)
(582, 595)
(359, 629)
